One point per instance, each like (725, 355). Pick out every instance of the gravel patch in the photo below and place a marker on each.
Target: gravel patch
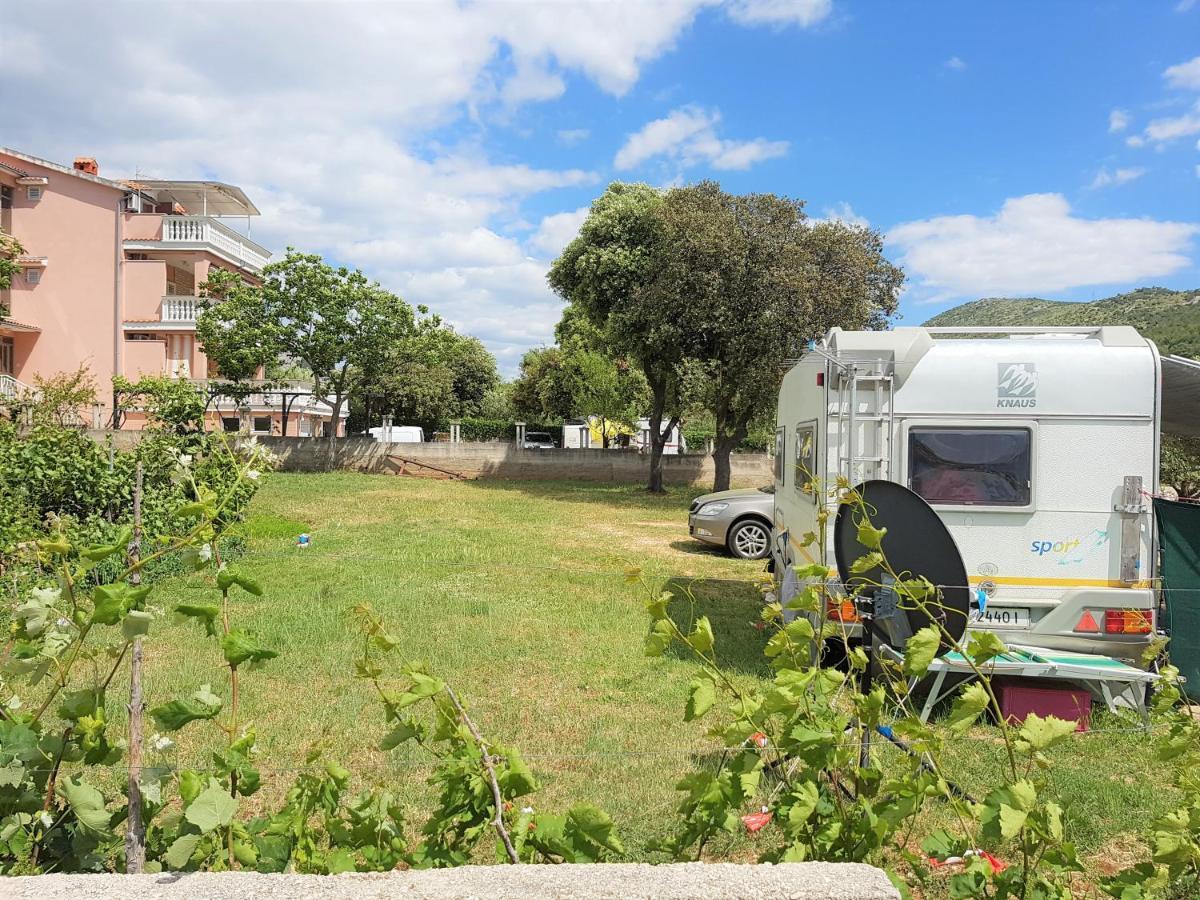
(790, 881)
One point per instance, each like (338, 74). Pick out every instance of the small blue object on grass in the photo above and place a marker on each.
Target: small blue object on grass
(303, 541)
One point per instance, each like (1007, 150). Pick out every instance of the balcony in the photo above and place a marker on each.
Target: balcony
(155, 232)
(180, 309)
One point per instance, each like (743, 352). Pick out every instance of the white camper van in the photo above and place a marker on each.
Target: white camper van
(398, 434)
(1037, 448)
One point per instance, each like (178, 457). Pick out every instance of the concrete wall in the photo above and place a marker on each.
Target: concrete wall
(503, 460)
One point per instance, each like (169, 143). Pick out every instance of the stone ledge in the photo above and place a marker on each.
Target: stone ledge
(616, 881)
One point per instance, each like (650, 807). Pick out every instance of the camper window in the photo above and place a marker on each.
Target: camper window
(806, 458)
(971, 466)
(780, 441)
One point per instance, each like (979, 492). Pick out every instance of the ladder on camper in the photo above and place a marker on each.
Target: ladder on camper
(861, 412)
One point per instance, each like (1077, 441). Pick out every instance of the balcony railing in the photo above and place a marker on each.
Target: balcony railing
(177, 308)
(206, 230)
(11, 389)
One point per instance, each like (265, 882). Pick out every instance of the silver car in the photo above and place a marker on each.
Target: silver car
(738, 520)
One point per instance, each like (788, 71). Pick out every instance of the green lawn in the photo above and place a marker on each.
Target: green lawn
(515, 594)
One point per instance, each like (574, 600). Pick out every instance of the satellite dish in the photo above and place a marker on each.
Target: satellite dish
(917, 544)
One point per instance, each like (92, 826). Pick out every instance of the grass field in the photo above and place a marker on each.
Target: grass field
(515, 594)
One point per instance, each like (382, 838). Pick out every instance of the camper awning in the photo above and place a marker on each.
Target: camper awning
(1181, 395)
(200, 198)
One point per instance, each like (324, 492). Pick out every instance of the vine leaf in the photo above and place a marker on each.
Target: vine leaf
(239, 647)
(700, 700)
(921, 650)
(181, 850)
(1039, 734)
(87, 803)
(701, 638)
(214, 808)
(206, 612)
(967, 708)
(870, 536)
(203, 704)
(136, 624)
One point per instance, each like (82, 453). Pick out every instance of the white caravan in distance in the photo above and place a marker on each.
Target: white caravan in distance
(1038, 449)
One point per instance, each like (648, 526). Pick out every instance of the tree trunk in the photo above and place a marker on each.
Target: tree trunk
(723, 446)
(339, 399)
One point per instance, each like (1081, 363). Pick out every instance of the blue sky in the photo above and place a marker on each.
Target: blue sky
(450, 149)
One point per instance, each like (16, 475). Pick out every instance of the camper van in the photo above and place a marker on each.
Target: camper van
(1038, 449)
(398, 434)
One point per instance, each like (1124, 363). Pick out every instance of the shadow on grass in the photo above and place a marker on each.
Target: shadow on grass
(732, 607)
(626, 495)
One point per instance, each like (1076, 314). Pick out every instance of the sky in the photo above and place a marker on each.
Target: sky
(451, 149)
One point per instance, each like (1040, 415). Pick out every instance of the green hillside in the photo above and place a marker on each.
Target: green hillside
(1169, 318)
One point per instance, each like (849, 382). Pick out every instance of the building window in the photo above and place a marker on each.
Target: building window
(5, 197)
(33, 276)
(262, 424)
(972, 466)
(6, 356)
(33, 192)
(806, 458)
(230, 424)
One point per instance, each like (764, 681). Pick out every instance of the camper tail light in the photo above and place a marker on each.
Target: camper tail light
(1128, 621)
(840, 610)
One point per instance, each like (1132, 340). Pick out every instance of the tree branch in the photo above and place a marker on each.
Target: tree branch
(498, 822)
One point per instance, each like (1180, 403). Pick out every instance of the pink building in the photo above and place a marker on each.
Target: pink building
(109, 279)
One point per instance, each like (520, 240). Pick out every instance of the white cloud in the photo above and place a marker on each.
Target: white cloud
(1184, 5)
(843, 212)
(1036, 245)
(556, 231)
(956, 63)
(573, 136)
(778, 13)
(1104, 177)
(1135, 140)
(1118, 120)
(688, 136)
(1185, 76)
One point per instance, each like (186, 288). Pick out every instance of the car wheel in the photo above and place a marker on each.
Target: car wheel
(750, 539)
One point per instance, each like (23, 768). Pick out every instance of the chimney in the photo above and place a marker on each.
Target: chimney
(87, 165)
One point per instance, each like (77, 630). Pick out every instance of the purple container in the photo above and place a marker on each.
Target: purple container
(1020, 697)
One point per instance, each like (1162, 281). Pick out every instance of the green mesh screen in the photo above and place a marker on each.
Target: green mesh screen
(1179, 547)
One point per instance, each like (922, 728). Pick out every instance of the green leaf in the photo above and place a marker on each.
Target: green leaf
(340, 860)
(984, 646)
(595, 824)
(207, 613)
(179, 854)
(967, 708)
(659, 638)
(870, 536)
(227, 578)
(866, 563)
(214, 808)
(701, 638)
(204, 704)
(136, 624)
(426, 686)
(1041, 733)
(921, 650)
(112, 601)
(239, 647)
(658, 607)
(87, 803)
(405, 730)
(700, 700)
(516, 779)
(77, 704)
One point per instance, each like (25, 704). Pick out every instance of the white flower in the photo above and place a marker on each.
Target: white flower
(205, 552)
(46, 819)
(252, 474)
(185, 459)
(161, 742)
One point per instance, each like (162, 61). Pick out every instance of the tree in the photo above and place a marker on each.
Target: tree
(612, 274)
(432, 374)
(760, 282)
(333, 322)
(10, 249)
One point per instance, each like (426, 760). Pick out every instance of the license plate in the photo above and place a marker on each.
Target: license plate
(1005, 616)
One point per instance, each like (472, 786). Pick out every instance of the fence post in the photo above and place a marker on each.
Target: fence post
(135, 833)
(456, 432)
(520, 435)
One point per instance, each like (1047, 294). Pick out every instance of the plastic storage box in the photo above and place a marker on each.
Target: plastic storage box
(1018, 698)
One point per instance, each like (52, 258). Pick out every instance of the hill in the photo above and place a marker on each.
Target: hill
(1169, 318)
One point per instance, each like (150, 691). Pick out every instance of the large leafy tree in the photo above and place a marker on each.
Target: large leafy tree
(762, 280)
(431, 375)
(612, 274)
(334, 322)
